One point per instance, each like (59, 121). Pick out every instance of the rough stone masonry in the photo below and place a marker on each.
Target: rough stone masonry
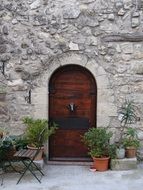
(38, 36)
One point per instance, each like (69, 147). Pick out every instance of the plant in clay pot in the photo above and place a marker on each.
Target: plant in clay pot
(127, 116)
(131, 143)
(34, 128)
(98, 143)
(7, 146)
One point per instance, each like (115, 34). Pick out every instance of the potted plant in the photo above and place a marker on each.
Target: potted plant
(127, 116)
(35, 128)
(21, 142)
(131, 142)
(120, 150)
(7, 147)
(97, 141)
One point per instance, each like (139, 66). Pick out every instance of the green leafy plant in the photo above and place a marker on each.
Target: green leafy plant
(112, 151)
(128, 115)
(6, 147)
(35, 128)
(97, 141)
(20, 142)
(130, 139)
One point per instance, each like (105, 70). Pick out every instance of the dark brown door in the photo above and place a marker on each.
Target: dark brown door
(72, 104)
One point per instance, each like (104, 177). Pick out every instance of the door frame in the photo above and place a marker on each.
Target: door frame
(84, 70)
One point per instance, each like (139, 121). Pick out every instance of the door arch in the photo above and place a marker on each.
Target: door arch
(72, 104)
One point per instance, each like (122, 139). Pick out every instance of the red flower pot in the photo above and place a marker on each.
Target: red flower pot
(101, 164)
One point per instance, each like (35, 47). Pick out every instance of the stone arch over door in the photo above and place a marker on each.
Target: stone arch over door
(105, 95)
(106, 107)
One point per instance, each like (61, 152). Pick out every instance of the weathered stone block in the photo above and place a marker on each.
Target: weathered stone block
(2, 40)
(3, 48)
(14, 21)
(118, 4)
(93, 41)
(5, 58)
(36, 4)
(137, 67)
(87, 1)
(136, 14)
(102, 81)
(127, 48)
(73, 46)
(123, 164)
(88, 21)
(111, 17)
(135, 22)
(140, 135)
(121, 12)
(71, 12)
(72, 59)
(126, 57)
(1, 7)
(17, 82)
(103, 120)
(2, 96)
(107, 108)
(124, 37)
(5, 30)
(19, 68)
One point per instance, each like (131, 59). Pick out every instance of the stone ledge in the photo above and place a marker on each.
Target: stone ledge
(123, 164)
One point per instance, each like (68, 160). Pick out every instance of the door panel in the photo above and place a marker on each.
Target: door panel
(71, 86)
(69, 145)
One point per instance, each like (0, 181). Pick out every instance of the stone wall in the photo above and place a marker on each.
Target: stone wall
(38, 36)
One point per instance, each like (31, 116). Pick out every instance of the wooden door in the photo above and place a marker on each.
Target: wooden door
(72, 104)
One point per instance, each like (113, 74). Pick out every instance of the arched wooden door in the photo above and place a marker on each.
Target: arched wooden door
(72, 104)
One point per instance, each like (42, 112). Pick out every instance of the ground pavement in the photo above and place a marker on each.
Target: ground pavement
(68, 177)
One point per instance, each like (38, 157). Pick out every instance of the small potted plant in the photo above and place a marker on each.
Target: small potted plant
(127, 116)
(7, 146)
(131, 143)
(34, 129)
(98, 143)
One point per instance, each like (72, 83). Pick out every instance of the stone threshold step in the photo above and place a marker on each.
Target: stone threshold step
(69, 163)
(123, 164)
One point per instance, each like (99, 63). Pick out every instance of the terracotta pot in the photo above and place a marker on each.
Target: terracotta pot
(101, 164)
(41, 152)
(131, 152)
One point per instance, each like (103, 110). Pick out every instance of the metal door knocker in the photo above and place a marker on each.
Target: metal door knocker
(72, 107)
